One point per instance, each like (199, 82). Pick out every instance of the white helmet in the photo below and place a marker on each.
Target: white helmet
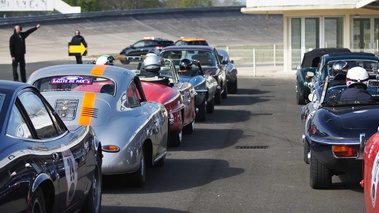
(152, 63)
(356, 75)
(105, 60)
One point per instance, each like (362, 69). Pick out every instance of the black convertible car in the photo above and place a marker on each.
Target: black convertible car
(334, 131)
(44, 165)
(210, 62)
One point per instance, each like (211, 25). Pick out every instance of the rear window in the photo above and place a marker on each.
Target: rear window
(76, 83)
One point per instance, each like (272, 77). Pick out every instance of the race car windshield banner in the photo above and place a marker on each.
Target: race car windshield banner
(71, 80)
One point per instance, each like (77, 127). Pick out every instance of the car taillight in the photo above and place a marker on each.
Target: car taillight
(66, 108)
(345, 151)
(110, 148)
(159, 47)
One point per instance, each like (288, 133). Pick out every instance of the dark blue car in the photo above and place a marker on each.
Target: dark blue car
(45, 166)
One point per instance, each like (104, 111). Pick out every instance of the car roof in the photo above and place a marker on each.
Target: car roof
(311, 58)
(10, 87)
(113, 72)
(191, 39)
(351, 55)
(155, 39)
(189, 47)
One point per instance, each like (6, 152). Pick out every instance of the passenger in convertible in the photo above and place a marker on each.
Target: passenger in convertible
(356, 92)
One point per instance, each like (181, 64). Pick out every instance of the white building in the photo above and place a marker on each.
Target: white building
(310, 24)
(37, 5)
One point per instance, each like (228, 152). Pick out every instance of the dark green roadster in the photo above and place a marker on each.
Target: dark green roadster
(307, 70)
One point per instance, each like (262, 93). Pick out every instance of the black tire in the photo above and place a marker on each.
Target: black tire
(300, 100)
(211, 106)
(160, 162)
(37, 205)
(139, 177)
(306, 151)
(218, 97)
(189, 128)
(176, 138)
(224, 95)
(202, 111)
(320, 176)
(232, 88)
(93, 201)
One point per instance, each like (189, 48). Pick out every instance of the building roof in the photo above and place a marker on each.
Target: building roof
(279, 7)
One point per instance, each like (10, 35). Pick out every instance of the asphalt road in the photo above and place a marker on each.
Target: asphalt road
(209, 173)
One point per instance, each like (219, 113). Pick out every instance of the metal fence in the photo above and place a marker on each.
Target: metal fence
(256, 54)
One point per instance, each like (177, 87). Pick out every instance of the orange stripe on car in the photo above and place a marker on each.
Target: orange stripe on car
(88, 104)
(98, 69)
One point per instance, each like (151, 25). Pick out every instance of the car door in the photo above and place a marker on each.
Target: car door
(157, 126)
(139, 48)
(222, 72)
(55, 146)
(188, 94)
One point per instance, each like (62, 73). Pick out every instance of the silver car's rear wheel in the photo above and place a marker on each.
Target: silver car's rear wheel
(139, 176)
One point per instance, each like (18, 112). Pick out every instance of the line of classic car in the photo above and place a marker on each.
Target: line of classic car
(71, 124)
(341, 137)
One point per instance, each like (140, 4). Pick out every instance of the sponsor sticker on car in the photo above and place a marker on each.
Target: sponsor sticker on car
(71, 80)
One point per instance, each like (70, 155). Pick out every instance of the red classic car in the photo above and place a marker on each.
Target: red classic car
(371, 173)
(160, 83)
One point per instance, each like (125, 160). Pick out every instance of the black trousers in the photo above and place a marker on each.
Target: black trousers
(15, 62)
(79, 59)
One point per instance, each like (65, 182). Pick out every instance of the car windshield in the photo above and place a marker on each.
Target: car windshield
(370, 65)
(206, 58)
(76, 83)
(337, 86)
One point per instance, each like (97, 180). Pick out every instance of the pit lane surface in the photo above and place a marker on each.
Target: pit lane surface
(208, 173)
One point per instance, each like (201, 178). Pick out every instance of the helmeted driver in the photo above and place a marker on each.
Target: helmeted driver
(356, 92)
(152, 63)
(105, 60)
(185, 65)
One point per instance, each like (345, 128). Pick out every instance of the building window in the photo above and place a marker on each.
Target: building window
(376, 34)
(295, 42)
(361, 34)
(333, 32)
(312, 33)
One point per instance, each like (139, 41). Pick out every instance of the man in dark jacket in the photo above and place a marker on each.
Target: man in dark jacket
(356, 91)
(76, 40)
(18, 49)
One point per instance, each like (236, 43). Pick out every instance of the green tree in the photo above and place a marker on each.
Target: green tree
(86, 5)
(187, 3)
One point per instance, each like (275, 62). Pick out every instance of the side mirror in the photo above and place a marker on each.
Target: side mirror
(231, 61)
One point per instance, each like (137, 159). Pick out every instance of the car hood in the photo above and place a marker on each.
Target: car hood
(160, 93)
(345, 122)
(193, 80)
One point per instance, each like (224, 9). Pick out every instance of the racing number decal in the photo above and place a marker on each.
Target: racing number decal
(374, 179)
(71, 173)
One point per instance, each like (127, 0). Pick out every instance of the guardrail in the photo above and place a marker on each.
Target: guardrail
(110, 13)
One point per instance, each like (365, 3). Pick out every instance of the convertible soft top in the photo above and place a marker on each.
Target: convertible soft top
(312, 58)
